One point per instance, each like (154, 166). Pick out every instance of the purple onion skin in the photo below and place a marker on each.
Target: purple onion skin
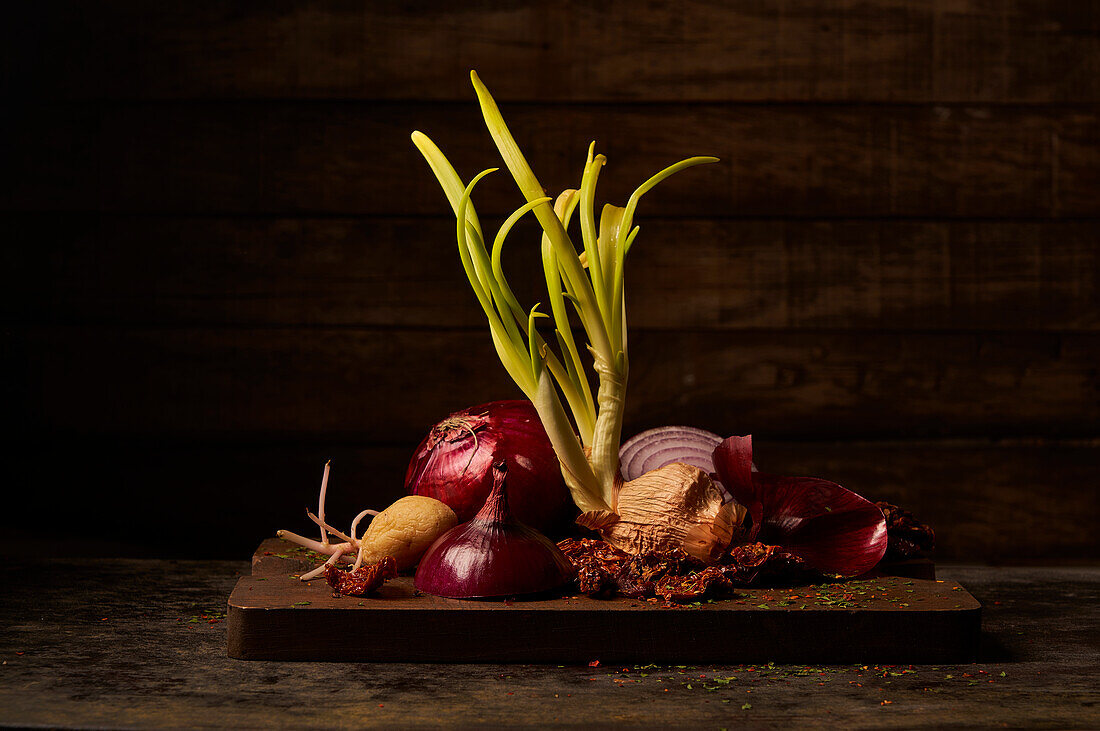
(828, 526)
(453, 464)
(493, 556)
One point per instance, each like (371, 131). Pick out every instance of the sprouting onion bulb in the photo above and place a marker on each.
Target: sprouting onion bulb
(492, 556)
(589, 280)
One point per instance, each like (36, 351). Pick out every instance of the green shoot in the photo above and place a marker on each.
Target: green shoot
(591, 281)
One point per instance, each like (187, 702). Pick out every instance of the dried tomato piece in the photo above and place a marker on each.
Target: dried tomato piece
(362, 580)
(713, 580)
(603, 570)
(754, 562)
(653, 565)
(595, 580)
(906, 536)
(751, 556)
(597, 564)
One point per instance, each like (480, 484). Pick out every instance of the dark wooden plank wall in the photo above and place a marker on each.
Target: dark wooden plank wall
(225, 262)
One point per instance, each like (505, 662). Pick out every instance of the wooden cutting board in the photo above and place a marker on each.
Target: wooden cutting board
(885, 619)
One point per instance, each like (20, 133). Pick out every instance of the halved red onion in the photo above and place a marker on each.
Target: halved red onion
(659, 447)
(832, 528)
(492, 556)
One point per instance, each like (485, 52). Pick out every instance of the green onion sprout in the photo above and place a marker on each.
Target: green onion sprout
(590, 280)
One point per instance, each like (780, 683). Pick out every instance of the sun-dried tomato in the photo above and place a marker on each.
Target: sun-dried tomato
(362, 580)
(906, 536)
(597, 564)
(755, 562)
(595, 580)
(674, 575)
(711, 581)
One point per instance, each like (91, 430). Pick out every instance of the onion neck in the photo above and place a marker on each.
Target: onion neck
(609, 425)
(495, 509)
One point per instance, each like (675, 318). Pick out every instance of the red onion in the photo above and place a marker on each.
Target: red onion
(454, 464)
(492, 556)
(656, 448)
(831, 528)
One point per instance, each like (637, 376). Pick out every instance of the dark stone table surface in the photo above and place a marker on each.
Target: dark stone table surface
(142, 644)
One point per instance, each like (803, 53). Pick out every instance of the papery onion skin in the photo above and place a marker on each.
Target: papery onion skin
(493, 556)
(831, 528)
(453, 464)
(675, 507)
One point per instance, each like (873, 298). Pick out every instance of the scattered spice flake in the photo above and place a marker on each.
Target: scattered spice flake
(300, 604)
(746, 706)
(885, 703)
(594, 664)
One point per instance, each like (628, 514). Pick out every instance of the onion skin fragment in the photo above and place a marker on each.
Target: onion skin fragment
(831, 528)
(675, 507)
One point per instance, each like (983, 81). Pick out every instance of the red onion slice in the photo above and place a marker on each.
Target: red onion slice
(656, 448)
(833, 529)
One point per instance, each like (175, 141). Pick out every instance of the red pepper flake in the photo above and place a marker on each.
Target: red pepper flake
(885, 703)
(20, 653)
(594, 664)
(102, 619)
(509, 693)
(380, 705)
